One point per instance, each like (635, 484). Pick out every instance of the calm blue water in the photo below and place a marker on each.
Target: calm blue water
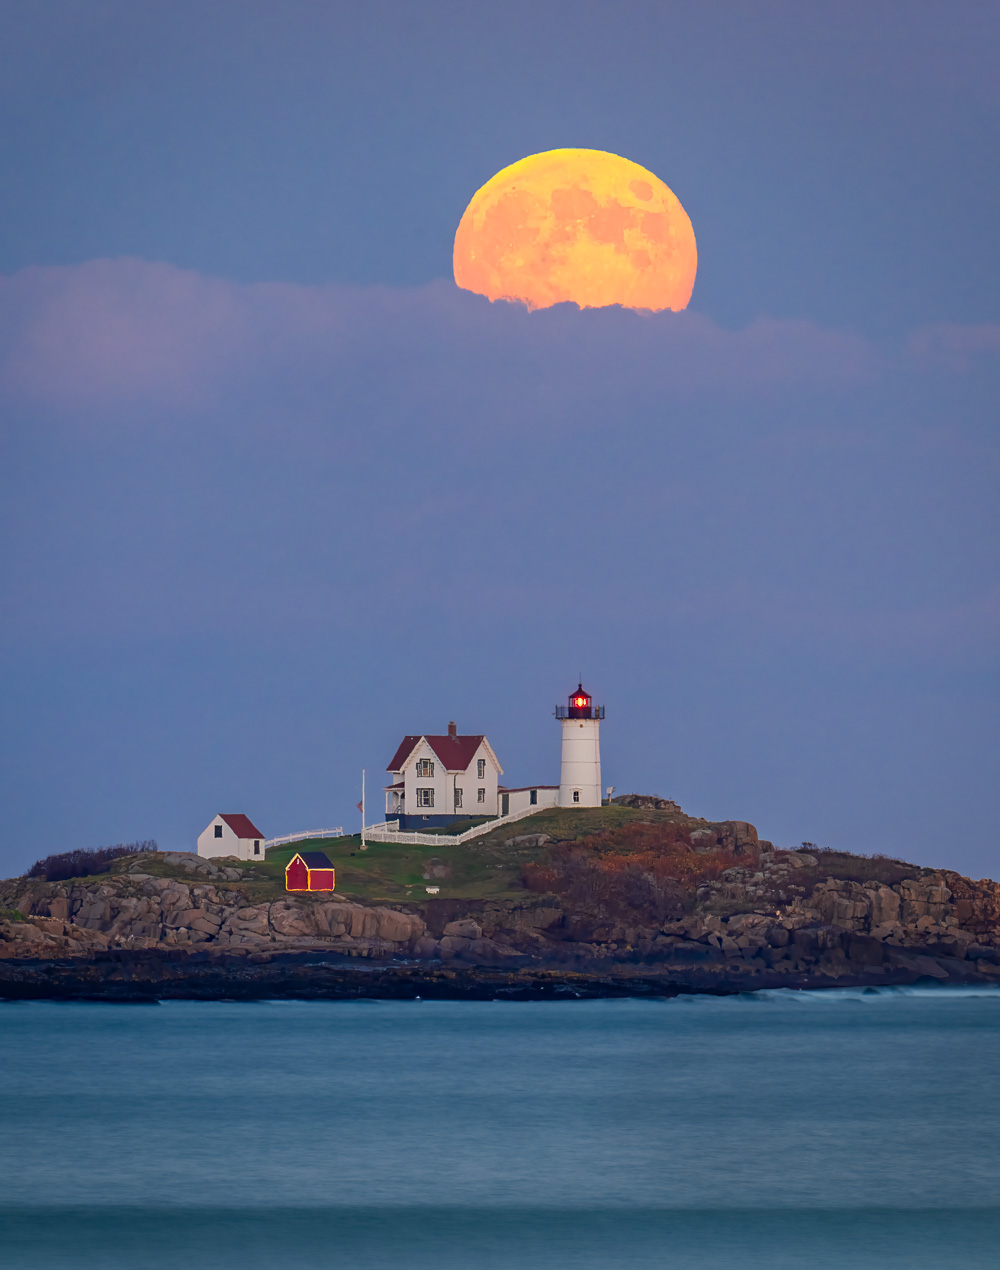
(779, 1130)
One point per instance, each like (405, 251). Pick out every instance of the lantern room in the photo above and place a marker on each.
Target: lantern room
(580, 706)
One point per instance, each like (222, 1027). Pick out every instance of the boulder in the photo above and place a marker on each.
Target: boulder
(466, 929)
(649, 802)
(453, 946)
(400, 928)
(528, 840)
(885, 906)
(289, 920)
(208, 925)
(487, 952)
(919, 964)
(738, 836)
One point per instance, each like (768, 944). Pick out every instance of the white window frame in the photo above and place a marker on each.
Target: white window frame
(480, 795)
(425, 767)
(458, 797)
(425, 797)
(481, 769)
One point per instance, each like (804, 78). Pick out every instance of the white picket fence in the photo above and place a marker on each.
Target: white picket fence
(311, 833)
(383, 833)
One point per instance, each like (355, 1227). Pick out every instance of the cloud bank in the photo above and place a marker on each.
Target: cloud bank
(114, 333)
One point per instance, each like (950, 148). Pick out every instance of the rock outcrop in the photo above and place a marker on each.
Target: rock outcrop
(781, 920)
(138, 911)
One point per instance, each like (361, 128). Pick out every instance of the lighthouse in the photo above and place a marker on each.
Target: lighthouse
(580, 777)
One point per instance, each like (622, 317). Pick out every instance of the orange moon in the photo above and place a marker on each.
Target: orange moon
(579, 225)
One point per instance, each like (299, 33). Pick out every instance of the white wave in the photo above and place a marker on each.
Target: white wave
(834, 996)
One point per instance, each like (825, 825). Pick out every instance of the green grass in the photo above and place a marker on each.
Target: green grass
(455, 828)
(395, 872)
(482, 868)
(573, 823)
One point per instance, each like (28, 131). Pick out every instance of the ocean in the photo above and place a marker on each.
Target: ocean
(779, 1129)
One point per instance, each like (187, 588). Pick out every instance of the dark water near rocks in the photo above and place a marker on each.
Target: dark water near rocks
(779, 1130)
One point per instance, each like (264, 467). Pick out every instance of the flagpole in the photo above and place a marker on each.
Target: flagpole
(364, 845)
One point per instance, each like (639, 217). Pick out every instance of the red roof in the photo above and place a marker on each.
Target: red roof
(311, 859)
(455, 752)
(520, 789)
(241, 825)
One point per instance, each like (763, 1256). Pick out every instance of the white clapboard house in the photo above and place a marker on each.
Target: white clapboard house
(232, 834)
(439, 779)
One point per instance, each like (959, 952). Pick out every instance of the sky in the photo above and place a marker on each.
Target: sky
(274, 492)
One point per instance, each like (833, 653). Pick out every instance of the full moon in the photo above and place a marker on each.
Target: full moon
(579, 225)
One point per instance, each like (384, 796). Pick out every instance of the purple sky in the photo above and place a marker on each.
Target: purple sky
(276, 493)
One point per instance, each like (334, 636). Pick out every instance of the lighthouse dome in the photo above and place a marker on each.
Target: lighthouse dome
(580, 706)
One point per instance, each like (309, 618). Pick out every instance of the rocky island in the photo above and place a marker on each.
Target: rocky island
(636, 898)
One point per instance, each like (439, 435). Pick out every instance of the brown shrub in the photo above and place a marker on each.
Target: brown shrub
(639, 869)
(861, 868)
(85, 862)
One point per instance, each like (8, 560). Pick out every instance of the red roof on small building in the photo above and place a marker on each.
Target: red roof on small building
(241, 825)
(312, 860)
(455, 752)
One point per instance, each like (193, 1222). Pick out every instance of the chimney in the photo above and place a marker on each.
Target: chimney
(453, 728)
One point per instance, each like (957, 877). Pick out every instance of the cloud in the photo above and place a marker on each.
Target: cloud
(952, 347)
(803, 479)
(111, 334)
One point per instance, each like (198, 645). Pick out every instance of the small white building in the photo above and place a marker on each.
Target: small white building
(439, 779)
(233, 834)
(513, 801)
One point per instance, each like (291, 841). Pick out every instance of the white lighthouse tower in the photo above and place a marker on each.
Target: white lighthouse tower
(580, 777)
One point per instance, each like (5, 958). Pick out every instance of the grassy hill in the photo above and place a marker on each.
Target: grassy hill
(483, 868)
(389, 871)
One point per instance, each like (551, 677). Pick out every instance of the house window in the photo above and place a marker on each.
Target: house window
(480, 795)
(425, 767)
(425, 798)
(481, 769)
(576, 795)
(458, 797)
(533, 797)
(256, 846)
(218, 831)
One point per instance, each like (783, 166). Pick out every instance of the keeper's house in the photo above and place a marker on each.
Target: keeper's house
(309, 871)
(233, 834)
(440, 779)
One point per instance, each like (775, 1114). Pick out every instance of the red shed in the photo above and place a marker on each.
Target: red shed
(309, 871)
